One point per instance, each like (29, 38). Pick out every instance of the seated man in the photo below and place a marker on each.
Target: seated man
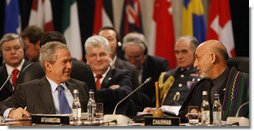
(112, 85)
(52, 93)
(175, 84)
(231, 84)
(136, 52)
(12, 51)
(31, 36)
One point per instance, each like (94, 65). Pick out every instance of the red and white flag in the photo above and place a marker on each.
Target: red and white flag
(220, 24)
(41, 15)
(162, 38)
(103, 14)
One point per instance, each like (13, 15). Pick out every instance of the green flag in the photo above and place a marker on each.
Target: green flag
(70, 28)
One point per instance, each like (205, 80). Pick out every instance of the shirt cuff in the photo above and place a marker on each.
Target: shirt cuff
(6, 112)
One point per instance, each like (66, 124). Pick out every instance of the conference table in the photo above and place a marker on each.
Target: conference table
(28, 123)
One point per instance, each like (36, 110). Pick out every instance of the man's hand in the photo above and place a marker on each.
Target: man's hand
(19, 113)
(113, 87)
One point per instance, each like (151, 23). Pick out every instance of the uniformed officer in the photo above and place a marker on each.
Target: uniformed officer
(175, 84)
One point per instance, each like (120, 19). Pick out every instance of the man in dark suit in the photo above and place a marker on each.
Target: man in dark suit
(231, 84)
(81, 71)
(136, 52)
(112, 85)
(52, 93)
(113, 38)
(12, 50)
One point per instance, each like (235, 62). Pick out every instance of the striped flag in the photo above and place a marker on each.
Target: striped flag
(162, 38)
(12, 23)
(220, 25)
(103, 15)
(41, 15)
(193, 19)
(131, 18)
(70, 28)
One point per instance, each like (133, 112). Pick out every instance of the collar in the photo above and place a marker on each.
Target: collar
(10, 68)
(103, 75)
(53, 85)
(221, 77)
(112, 63)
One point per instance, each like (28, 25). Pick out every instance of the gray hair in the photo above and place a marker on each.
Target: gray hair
(190, 39)
(9, 37)
(97, 41)
(47, 52)
(135, 38)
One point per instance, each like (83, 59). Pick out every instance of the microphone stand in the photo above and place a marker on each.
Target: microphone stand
(147, 80)
(122, 119)
(8, 78)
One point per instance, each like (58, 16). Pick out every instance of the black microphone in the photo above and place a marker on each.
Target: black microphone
(8, 78)
(147, 80)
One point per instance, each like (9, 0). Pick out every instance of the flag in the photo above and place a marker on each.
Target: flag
(70, 28)
(12, 23)
(103, 15)
(41, 15)
(193, 19)
(162, 37)
(220, 24)
(131, 17)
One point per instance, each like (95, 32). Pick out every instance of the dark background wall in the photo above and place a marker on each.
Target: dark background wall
(239, 14)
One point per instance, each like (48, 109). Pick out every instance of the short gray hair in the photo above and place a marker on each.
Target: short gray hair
(191, 39)
(47, 52)
(97, 41)
(135, 38)
(9, 37)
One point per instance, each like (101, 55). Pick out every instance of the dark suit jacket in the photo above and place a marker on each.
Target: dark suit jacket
(7, 89)
(121, 64)
(240, 94)
(37, 97)
(111, 97)
(152, 67)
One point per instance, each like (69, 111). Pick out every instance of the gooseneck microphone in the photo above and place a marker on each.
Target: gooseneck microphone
(240, 107)
(8, 78)
(147, 80)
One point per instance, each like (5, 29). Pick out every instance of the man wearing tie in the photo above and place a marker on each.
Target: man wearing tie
(50, 94)
(12, 50)
(112, 85)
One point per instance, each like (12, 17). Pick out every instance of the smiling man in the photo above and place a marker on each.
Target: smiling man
(112, 84)
(50, 94)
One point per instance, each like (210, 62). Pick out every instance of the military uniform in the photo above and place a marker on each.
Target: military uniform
(176, 85)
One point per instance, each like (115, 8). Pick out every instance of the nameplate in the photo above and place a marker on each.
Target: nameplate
(50, 118)
(162, 121)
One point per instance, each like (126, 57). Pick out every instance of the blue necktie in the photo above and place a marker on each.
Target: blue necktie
(63, 103)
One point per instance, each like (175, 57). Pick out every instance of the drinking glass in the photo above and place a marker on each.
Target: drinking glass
(193, 115)
(99, 112)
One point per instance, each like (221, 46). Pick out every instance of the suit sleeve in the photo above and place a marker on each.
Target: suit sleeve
(111, 97)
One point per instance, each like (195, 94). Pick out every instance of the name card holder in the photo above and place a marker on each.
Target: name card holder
(51, 118)
(162, 121)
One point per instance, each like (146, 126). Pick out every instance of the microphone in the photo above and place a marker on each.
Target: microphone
(147, 80)
(241, 121)
(240, 107)
(121, 119)
(8, 78)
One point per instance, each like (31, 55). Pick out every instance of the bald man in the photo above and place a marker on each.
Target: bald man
(232, 85)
